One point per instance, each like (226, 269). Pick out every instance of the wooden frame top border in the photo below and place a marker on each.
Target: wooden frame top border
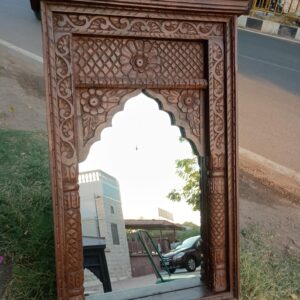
(232, 7)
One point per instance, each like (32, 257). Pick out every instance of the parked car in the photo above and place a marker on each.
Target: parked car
(186, 255)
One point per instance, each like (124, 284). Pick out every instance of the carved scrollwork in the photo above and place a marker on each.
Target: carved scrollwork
(65, 126)
(216, 179)
(120, 25)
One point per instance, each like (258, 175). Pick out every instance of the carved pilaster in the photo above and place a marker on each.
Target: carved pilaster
(66, 145)
(216, 169)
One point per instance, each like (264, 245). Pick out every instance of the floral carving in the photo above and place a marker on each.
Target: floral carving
(95, 105)
(189, 101)
(120, 25)
(138, 57)
(118, 61)
(93, 101)
(186, 106)
(216, 178)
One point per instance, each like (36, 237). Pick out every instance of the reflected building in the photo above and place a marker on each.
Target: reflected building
(102, 216)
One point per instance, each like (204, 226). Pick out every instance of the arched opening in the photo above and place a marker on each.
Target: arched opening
(139, 150)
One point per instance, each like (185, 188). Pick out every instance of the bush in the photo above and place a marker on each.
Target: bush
(26, 236)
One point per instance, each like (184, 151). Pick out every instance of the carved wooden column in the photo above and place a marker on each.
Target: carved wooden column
(69, 251)
(216, 169)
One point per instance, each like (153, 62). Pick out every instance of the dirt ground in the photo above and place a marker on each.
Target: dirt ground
(22, 106)
(274, 212)
(22, 100)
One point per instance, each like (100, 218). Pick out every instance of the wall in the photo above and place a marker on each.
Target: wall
(98, 193)
(140, 264)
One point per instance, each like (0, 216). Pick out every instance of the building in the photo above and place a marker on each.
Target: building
(102, 216)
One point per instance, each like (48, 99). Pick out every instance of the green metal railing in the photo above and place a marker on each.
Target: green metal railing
(141, 236)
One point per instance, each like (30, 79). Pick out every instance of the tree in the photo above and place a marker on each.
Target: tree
(188, 170)
(191, 229)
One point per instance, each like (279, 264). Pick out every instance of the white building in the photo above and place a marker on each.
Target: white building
(102, 216)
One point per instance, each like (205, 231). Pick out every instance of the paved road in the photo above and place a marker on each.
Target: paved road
(266, 58)
(19, 26)
(269, 84)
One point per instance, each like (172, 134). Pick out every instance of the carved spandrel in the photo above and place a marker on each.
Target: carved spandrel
(98, 106)
(95, 105)
(117, 62)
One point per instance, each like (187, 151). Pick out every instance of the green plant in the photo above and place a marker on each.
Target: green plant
(191, 230)
(266, 272)
(188, 170)
(26, 236)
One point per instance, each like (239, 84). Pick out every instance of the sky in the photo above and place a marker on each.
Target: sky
(140, 150)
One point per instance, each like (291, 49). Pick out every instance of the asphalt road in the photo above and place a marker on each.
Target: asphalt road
(271, 59)
(268, 84)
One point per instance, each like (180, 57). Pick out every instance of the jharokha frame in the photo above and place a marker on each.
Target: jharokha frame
(181, 53)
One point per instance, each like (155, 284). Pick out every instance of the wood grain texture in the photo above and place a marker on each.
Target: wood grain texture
(97, 57)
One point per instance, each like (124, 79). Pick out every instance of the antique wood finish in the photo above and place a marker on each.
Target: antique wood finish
(97, 55)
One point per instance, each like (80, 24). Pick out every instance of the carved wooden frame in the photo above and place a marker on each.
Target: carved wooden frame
(198, 88)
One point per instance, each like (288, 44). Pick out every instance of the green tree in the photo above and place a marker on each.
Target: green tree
(188, 170)
(191, 230)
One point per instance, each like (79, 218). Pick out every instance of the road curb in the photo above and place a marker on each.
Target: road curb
(269, 27)
(282, 179)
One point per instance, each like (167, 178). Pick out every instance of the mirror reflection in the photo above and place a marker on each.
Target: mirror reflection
(140, 206)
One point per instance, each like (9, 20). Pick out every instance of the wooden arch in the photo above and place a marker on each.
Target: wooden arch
(188, 117)
(97, 55)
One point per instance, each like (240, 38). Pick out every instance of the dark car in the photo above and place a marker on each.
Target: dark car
(186, 255)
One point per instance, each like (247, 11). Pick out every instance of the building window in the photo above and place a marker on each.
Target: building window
(112, 211)
(115, 234)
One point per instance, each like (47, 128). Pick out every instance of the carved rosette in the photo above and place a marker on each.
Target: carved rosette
(140, 58)
(187, 110)
(96, 106)
(216, 176)
(137, 63)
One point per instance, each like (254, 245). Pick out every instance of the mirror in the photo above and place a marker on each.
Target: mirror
(132, 217)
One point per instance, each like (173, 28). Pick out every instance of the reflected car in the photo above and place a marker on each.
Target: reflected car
(186, 255)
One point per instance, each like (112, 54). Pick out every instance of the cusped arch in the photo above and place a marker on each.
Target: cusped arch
(98, 107)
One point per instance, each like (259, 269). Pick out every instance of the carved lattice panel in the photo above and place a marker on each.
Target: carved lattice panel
(136, 62)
